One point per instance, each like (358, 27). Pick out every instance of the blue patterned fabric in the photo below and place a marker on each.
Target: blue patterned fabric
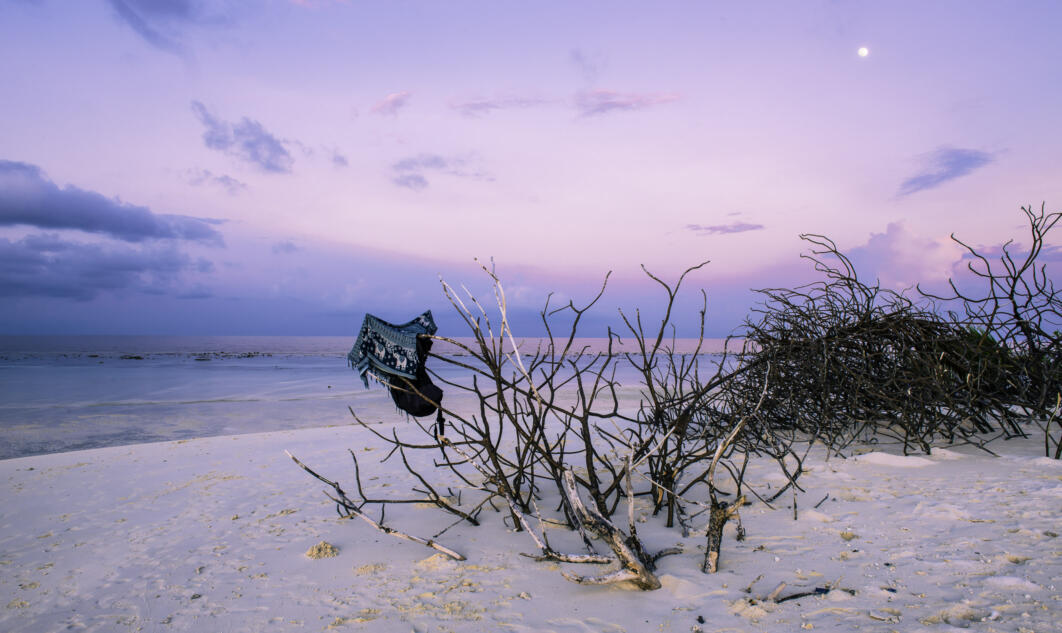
(389, 350)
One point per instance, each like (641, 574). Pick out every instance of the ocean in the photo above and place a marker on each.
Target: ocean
(65, 393)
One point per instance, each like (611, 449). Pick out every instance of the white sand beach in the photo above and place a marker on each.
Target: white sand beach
(212, 535)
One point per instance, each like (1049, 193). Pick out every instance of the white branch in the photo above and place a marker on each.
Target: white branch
(620, 575)
(352, 510)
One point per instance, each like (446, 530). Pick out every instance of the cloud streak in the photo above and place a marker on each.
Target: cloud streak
(139, 19)
(475, 108)
(411, 173)
(28, 197)
(206, 177)
(723, 229)
(588, 66)
(945, 164)
(246, 140)
(1051, 254)
(599, 102)
(422, 161)
(162, 23)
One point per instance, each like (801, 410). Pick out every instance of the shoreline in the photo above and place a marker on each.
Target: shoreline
(241, 346)
(67, 400)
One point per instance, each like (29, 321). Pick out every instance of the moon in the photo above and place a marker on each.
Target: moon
(863, 51)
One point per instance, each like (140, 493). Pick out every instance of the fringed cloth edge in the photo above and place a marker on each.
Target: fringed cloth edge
(385, 349)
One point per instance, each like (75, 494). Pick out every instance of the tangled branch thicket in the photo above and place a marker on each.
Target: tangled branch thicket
(555, 438)
(855, 362)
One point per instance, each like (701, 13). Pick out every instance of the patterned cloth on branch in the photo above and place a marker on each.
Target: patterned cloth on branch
(395, 355)
(387, 350)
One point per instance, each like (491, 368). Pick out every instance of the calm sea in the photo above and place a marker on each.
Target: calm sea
(63, 393)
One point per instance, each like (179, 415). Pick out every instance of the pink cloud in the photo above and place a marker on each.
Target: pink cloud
(392, 103)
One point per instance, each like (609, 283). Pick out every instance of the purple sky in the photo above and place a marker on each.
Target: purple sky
(184, 167)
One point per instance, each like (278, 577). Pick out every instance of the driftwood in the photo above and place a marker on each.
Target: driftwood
(350, 510)
(636, 565)
(776, 596)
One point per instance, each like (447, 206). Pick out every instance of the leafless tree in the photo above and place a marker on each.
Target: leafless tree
(850, 361)
(549, 423)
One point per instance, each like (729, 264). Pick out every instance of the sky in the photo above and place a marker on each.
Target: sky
(283, 167)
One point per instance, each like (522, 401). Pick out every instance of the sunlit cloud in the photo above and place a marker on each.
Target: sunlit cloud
(900, 259)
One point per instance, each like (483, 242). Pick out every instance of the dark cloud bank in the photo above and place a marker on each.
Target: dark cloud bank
(140, 250)
(28, 197)
(49, 266)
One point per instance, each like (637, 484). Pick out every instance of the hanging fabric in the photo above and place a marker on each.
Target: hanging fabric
(395, 355)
